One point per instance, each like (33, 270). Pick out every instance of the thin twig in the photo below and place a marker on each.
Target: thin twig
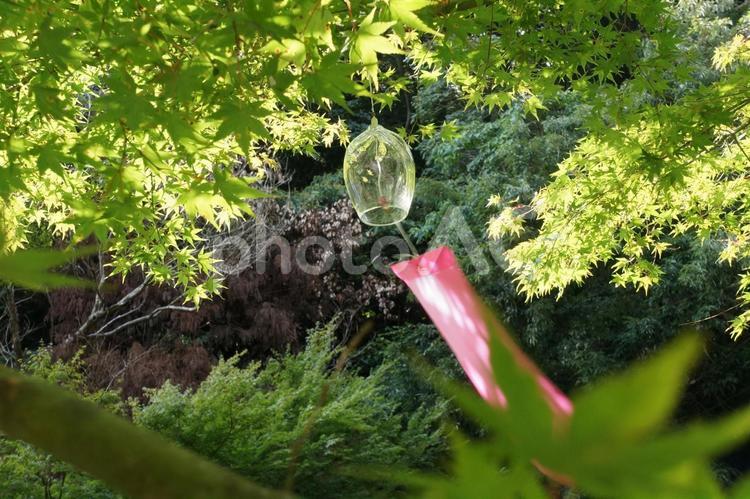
(117, 318)
(691, 323)
(490, 32)
(99, 311)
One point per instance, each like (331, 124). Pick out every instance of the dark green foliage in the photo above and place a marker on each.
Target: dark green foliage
(434, 103)
(508, 142)
(395, 350)
(251, 418)
(322, 192)
(597, 328)
(594, 328)
(506, 154)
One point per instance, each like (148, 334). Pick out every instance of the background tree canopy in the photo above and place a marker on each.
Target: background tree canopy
(640, 179)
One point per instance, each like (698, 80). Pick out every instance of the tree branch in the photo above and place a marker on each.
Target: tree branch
(155, 312)
(98, 311)
(14, 324)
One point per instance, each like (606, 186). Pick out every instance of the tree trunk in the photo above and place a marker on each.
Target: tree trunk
(15, 325)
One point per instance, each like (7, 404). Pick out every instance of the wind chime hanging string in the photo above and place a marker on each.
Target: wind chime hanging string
(380, 179)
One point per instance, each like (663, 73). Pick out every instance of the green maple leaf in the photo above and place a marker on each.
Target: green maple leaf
(403, 11)
(332, 81)
(368, 43)
(288, 50)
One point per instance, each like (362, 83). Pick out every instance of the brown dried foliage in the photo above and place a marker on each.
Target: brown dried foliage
(257, 312)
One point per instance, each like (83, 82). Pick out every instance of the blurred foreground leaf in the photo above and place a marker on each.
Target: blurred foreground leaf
(136, 462)
(619, 441)
(32, 268)
(637, 402)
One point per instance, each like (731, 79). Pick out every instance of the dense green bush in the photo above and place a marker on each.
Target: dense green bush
(296, 418)
(395, 350)
(322, 192)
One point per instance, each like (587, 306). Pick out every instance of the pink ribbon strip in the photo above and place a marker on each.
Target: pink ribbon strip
(454, 307)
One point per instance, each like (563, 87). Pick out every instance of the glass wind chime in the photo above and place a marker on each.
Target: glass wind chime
(380, 177)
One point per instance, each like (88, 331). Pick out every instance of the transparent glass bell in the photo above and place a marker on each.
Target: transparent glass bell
(379, 176)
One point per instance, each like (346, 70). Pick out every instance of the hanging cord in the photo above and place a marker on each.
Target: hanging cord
(406, 238)
(372, 102)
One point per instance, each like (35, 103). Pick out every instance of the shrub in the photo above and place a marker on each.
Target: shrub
(394, 350)
(295, 418)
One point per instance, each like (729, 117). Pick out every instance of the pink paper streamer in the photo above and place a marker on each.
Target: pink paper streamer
(454, 307)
